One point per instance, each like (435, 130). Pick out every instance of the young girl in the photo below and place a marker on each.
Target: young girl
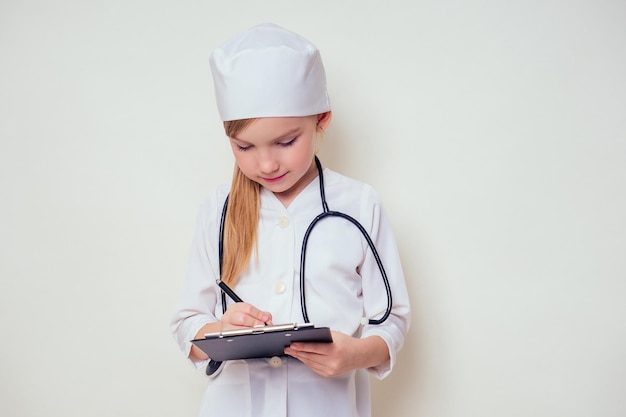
(271, 94)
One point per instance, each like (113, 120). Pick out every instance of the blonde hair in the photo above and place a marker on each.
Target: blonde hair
(242, 217)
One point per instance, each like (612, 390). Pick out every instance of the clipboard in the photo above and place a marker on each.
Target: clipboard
(259, 342)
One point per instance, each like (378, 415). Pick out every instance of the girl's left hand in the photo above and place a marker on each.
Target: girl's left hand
(345, 354)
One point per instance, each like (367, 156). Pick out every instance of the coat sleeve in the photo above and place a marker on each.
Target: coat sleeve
(200, 295)
(394, 329)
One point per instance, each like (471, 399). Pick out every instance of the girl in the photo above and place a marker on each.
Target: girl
(271, 94)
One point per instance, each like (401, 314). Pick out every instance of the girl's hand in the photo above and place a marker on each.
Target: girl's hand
(244, 315)
(237, 315)
(345, 354)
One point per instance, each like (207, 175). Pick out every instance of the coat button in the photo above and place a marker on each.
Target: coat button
(283, 222)
(275, 362)
(280, 287)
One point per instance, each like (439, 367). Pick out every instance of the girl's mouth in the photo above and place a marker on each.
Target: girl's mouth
(275, 179)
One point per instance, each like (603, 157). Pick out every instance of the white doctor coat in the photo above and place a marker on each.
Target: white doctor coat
(343, 285)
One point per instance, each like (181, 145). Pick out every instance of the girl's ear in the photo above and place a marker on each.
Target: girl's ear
(323, 120)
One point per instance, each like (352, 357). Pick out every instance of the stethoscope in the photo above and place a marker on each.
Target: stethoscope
(325, 214)
(213, 366)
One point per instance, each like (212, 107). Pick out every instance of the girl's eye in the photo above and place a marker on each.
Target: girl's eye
(243, 148)
(288, 143)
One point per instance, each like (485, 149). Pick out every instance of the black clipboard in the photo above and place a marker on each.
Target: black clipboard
(259, 342)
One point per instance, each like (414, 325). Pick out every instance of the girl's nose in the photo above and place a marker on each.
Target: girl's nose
(268, 163)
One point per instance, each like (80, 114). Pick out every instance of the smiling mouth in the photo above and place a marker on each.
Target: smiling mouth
(275, 179)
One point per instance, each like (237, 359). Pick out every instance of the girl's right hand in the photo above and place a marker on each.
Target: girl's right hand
(237, 315)
(244, 315)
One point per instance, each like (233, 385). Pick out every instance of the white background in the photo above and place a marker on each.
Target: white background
(495, 132)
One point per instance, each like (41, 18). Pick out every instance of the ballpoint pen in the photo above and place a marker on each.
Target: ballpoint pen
(229, 291)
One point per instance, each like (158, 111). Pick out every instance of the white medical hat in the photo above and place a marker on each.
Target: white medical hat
(268, 71)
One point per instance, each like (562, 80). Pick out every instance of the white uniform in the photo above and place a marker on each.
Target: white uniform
(343, 285)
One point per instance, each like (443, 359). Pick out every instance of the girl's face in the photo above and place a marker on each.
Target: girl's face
(278, 152)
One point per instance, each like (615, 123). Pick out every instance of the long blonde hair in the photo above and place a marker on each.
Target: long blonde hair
(242, 217)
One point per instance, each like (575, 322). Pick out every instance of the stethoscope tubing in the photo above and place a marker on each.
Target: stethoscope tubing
(213, 365)
(379, 262)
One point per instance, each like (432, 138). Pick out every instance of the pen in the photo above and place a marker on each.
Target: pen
(229, 291)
